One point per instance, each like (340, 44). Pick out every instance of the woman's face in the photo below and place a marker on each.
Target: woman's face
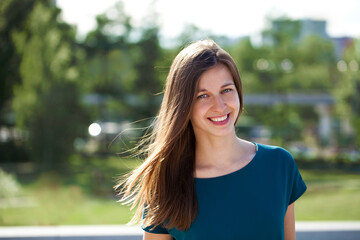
(216, 105)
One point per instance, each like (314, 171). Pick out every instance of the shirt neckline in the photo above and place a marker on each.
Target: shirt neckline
(238, 170)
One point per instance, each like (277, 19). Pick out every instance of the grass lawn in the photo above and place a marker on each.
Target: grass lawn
(66, 206)
(87, 197)
(331, 195)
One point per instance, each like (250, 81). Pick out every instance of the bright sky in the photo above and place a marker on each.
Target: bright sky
(233, 18)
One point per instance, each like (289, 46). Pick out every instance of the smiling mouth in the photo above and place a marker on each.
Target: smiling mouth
(220, 119)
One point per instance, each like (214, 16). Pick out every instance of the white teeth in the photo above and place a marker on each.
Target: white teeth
(219, 119)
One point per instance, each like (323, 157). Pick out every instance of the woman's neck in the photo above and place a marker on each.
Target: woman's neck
(216, 157)
(217, 151)
(221, 157)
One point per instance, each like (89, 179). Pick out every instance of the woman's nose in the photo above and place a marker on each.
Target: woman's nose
(218, 104)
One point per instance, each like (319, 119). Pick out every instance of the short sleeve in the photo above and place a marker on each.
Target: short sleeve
(297, 186)
(151, 229)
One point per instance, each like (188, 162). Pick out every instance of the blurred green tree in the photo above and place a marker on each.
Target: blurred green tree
(13, 15)
(347, 93)
(284, 32)
(46, 101)
(147, 84)
(120, 64)
(107, 65)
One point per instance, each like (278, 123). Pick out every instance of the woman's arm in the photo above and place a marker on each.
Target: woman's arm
(153, 236)
(289, 223)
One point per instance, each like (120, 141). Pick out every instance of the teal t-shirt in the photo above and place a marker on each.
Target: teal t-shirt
(249, 203)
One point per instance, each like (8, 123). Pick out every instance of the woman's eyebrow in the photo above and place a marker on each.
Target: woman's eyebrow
(225, 85)
(202, 90)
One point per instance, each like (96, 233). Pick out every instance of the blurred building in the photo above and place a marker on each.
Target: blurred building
(312, 27)
(340, 44)
(294, 29)
(322, 103)
(300, 29)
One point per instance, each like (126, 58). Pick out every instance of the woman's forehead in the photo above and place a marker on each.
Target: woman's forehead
(218, 76)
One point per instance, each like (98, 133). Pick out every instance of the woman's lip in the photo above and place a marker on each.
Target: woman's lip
(218, 117)
(220, 122)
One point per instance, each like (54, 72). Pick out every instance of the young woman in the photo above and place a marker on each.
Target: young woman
(199, 180)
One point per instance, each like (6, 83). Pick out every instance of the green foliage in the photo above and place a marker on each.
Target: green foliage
(53, 131)
(189, 34)
(147, 83)
(13, 14)
(284, 32)
(107, 64)
(315, 50)
(347, 90)
(122, 68)
(47, 96)
(245, 55)
(9, 187)
(97, 176)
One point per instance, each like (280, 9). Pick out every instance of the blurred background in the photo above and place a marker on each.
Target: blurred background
(81, 80)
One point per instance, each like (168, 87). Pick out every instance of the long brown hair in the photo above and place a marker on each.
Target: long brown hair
(163, 185)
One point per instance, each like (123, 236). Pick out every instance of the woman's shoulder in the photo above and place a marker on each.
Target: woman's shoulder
(272, 148)
(273, 151)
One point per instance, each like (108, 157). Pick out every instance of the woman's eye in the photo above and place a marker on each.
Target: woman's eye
(227, 90)
(202, 96)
